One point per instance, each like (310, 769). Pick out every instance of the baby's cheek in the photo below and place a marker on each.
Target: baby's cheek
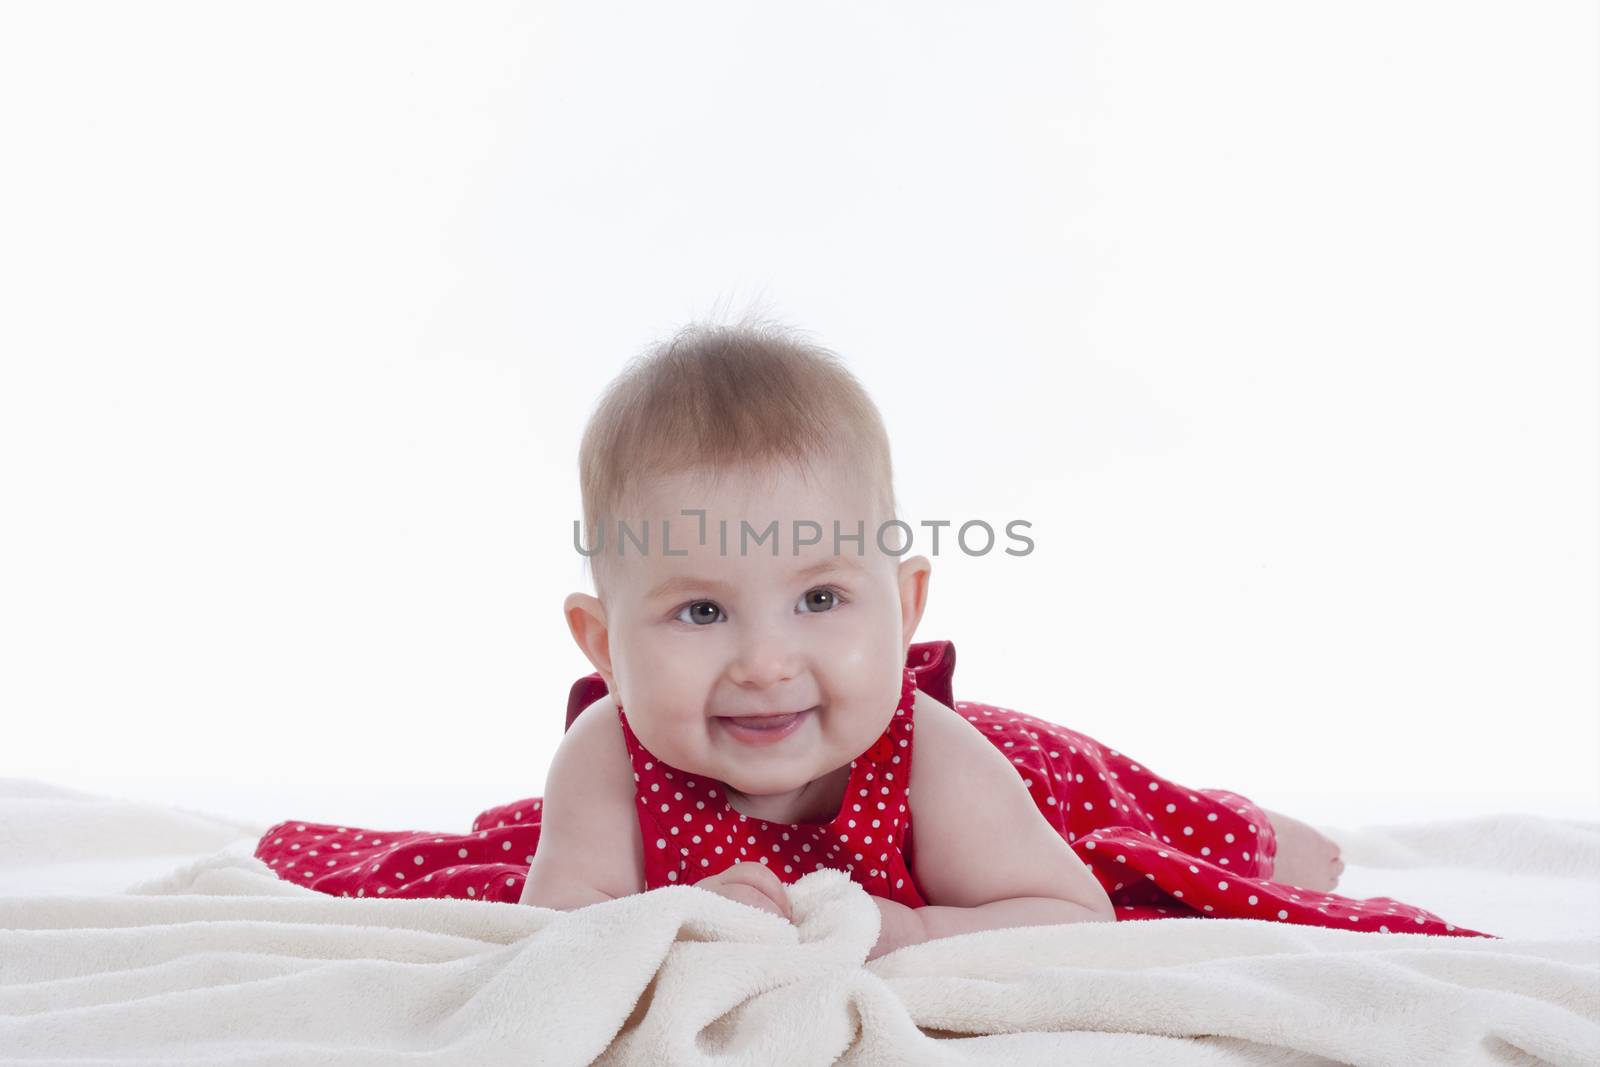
(676, 742)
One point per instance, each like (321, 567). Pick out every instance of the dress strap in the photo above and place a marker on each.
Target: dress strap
(934, 663)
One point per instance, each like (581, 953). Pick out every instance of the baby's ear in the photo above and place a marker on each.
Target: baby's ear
(913, 579)
(586, 618)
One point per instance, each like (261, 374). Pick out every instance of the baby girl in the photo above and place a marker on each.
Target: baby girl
(759, 710)
(760, 674)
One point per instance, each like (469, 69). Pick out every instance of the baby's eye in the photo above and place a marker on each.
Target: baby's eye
(819, 600)
(701, 612)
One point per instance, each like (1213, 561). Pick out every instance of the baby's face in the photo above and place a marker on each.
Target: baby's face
(703, 637)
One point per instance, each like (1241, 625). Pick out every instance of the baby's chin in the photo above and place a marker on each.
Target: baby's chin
(751, 777)
(764, 771)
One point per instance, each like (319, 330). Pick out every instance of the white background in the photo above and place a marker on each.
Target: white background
(1278, 322)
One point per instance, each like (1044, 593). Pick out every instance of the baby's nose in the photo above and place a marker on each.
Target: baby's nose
(764, 665)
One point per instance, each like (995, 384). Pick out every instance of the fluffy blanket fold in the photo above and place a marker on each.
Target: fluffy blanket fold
(218, 961)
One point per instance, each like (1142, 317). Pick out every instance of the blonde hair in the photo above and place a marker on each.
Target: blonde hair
(720, 398)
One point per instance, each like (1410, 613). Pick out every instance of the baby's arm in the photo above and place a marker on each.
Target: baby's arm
(985, 857)
(590, 848)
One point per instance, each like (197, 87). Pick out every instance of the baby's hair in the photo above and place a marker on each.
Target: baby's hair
(720, 398)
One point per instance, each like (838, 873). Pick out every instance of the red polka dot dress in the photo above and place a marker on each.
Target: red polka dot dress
(1160, 849)
(691, 831)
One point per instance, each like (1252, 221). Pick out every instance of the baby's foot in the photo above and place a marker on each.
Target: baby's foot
(1306, 858)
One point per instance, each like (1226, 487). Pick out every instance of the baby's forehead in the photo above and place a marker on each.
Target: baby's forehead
(661, 573)
(757, 493)
(758, 525)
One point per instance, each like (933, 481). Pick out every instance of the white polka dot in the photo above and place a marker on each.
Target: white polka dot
(1283, 915)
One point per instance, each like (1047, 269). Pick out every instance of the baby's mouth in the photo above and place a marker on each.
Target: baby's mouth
(766, 728)
(765, 721)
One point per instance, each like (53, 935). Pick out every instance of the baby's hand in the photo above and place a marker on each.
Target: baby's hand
(753, 884)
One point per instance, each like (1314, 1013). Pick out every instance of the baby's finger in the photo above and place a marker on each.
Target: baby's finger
(765, 879)
(749, 894)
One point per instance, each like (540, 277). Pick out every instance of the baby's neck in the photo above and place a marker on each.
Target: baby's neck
(817, 801)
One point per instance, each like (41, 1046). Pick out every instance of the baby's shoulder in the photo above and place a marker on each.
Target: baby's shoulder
(589, 832)
(940, 736)
(935, 719)
(950, 752)
(596, 743)
(602, 709)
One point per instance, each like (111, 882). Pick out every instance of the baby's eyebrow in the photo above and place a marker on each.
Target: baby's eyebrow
(684, 583)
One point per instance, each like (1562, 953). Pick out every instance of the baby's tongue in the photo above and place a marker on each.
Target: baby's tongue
(766, 722)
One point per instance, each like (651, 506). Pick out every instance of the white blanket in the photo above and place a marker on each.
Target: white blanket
(219, 962)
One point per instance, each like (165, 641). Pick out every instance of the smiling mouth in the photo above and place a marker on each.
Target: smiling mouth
(766, 720)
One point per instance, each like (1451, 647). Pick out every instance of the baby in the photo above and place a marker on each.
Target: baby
(758, 684)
